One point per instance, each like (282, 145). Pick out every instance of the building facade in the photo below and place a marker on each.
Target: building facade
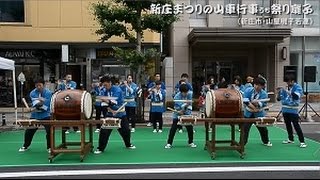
(47, 38)
(245, 37)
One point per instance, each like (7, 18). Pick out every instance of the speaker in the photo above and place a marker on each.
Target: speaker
(290, 70)
(310, 73)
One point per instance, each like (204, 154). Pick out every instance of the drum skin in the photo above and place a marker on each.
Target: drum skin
(224, 103)
(71, 104)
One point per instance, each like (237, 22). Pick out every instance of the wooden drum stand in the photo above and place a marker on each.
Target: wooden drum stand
(85, 146)
(211, 144)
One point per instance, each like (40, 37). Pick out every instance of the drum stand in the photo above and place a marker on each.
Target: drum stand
(85, 146)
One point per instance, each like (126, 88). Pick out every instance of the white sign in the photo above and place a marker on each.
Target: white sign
(65, 53)
(21, 78)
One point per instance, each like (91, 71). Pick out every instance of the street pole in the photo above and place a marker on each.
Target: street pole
(21, 79)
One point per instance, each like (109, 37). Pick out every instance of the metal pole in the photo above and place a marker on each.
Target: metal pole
(3, 119)
(21, 100)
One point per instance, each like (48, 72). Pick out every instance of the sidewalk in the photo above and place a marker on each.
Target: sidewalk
(167, 116)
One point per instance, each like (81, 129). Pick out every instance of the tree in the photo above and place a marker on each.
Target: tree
(129, 19)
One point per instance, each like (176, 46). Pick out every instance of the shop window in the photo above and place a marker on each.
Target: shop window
(12, 11)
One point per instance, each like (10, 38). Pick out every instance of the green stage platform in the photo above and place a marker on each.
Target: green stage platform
(150, 149)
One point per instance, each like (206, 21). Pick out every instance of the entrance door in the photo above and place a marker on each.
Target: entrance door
(226, 73)
(78, 73)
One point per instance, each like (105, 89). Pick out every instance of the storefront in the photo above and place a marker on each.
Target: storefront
(33, 64)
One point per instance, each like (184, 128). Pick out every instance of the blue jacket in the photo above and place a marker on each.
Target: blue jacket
(130, 94)
(290, 99)
(42, 111)
(157, 101)
(187, 107)
(68, 85)
(249, 95)
(115, 91)
(98, 91)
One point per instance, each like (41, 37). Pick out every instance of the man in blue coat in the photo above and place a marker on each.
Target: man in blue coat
(254, 108)
(182, 108)
(115, 101)
(41, 98)
(290, 100)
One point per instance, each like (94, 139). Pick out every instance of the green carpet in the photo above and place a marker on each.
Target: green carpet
(150, 149)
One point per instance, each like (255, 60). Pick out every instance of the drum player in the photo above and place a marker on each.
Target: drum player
(184, 80)
(182, 108)
(290, 100)
(114, 98)
(41, 98)
(129, 89)
(157, 108)
(254, 108)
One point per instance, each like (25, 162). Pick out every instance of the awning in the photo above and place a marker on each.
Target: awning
(241, 35)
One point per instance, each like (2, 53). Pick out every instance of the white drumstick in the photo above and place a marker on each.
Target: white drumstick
(171, 109)
(263, 108)
(25, 103)
(121, 107)
(100, 98)
(259, 100)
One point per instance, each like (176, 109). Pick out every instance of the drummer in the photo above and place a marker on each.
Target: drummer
(255, 108)
(41, 98)
(129, 89)
(182, 108)
(114, 99)
(184, 80)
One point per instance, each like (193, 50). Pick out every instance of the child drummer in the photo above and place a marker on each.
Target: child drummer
(182, 108)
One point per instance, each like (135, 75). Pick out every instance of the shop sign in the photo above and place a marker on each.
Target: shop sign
(12, 54)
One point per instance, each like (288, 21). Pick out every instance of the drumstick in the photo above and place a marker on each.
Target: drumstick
(121, 107)
(100, 98)
(263, 108)
(26, 104)
(171, 109)
(259, 100)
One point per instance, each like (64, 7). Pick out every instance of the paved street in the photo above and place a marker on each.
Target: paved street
(311, 118)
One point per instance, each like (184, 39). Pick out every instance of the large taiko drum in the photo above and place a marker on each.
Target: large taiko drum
(223, 103)
(71, 105)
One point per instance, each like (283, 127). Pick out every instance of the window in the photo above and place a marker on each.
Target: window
(196, 3)
(314, 16)
(264, 5)
(11, 10)
(316, 11)
(230, 7)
